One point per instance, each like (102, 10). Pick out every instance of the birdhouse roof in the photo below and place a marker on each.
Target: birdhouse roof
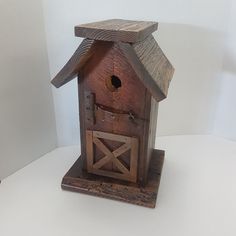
(117, 30)
(136, 43)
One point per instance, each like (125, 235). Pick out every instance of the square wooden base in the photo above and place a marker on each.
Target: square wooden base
(79, 180)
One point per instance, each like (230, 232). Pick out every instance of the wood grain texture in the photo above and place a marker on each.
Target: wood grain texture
(155, 62)
(89, 149)
(110, 174)
(76, 62)
(79, 180)
(82, 122)
(122, 76)
(122, 149)
(115, 137)
(89, 103)
(151, 136)
(134, 159)
(128, 173)
(146, 58)
(117, 30)
(142, 73)
(101, 162)
(144, 144)
(131, 96)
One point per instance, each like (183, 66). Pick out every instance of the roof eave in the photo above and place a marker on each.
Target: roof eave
(75, 64)
(141, 71)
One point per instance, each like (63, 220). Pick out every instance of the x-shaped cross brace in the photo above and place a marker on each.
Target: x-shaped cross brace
(111, 156)
(94, 138)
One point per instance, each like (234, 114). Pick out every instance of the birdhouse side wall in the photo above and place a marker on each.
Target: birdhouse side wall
(151, 135)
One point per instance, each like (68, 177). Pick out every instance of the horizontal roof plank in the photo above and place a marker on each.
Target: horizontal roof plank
(117, 30)
(73, 66)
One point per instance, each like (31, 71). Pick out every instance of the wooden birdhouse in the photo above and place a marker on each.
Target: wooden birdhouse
(122, 76)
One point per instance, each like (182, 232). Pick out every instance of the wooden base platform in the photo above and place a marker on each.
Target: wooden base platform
(79, 180)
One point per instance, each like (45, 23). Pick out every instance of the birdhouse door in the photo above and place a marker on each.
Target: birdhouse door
(104, 155)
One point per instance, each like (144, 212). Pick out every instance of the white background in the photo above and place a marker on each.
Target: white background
(193, 35)
(226, 114)
(37, 39)
(27, 121)
(196, 196)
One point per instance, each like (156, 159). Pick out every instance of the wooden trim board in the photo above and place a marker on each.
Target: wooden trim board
(117, 30)
(129, 143)
(79, 180)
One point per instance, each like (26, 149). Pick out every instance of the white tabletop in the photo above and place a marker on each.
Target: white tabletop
(197, 196)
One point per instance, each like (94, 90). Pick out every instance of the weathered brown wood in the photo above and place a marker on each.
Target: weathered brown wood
(121, 167)
(151, 136)
(82, 122)
(144, 141)
(110, 174)
(146, 58)
(134, 159)
(102, 147)
(79, 180)
(89, 100)
(89, 149)
(155, 62)
(122, 75)
(108, 153)
(116, 137)
(93, 166)
(141, 71)
(117, 30)
(125, 147)
(76, 62)
(131, 96)
(101, 162)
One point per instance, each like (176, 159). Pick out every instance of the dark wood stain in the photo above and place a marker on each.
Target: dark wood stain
(76, 62)
(81, 181)
(122, 76)
(117, 30)
(132, 96)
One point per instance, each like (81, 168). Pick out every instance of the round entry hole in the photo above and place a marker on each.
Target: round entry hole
(113, 83)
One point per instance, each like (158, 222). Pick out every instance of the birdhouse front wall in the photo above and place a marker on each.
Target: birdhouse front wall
(114, 115)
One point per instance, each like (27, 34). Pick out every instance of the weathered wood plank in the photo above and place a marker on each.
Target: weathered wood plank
(122, 149)
(89, 101)
(111, 174)
(125, 147)
(141, 71)
(120, 166)
(115, 137)
(79, 180)
(152, 137)
(101, 162)
(76, 62)
(155, 62)
(127, 172)
(117, 30)
(146, 58)
(143, 141)
(102, 147)
(134, 159)
(89, 149)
